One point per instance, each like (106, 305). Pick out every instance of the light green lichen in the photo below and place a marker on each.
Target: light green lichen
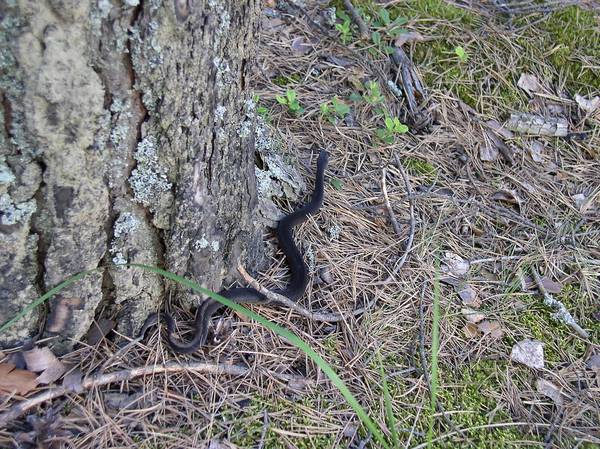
(149, 179)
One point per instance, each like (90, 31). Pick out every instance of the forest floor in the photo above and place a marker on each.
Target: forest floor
(479, 210)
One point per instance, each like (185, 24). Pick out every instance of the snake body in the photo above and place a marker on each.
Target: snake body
(294, 290)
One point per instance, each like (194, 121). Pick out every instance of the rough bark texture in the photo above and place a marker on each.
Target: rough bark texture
(126, 137)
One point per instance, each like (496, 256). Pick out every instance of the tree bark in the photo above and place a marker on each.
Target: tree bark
(127, 137)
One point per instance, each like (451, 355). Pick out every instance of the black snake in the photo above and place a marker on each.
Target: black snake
(294, 290)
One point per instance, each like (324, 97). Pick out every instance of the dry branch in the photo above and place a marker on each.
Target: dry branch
(99, 379)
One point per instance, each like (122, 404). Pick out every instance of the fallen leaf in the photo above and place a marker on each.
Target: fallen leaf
(551, 390)
(488, 152)
(529, 83)
(468, 296)
(411, 36)
(536, 150)
(454, 264)
(507, 196)
(529, 353)
(491, 328)
(551, 286)
(471, 330)
(16, 380)
(72, 380)
(301, 46)
(594, 363)
(588, 105)
(500, 129)
(473, 316)
(44, 361)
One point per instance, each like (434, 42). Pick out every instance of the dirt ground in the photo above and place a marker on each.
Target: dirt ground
(478, 209)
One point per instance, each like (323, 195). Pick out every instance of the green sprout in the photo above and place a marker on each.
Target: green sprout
(291, 101)
(393, 127)
(334, 110)
(461, 53)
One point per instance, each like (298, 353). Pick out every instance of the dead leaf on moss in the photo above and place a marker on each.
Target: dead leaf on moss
(550, 390)
(551, 286)
(16, 380)
(44, 361)
(491, 328)
(529, 83)
(529, 352)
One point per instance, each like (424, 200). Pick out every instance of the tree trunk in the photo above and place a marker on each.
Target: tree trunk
(127, 137)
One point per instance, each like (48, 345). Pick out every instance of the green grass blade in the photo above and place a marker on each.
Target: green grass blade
(435, 348)
(288, 335)
(389, 410)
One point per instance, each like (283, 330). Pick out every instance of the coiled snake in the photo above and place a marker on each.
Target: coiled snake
(294, 290)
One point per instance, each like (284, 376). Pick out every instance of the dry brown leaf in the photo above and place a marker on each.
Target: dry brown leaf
(491, 328)
(529, 353)
(536, 150)
(473, 316)
(454, 264)
(471, 330)
(302, 46)
(593, 363)
(411, 36)
(551, 390)
(468, 296)
(500, 129)
(72, 380)
(551, 286)
(16, 380)
(507, 196)
(44, 361)
(588, 105)
(529, 83)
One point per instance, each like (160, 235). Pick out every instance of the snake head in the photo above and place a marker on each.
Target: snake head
(323, 158)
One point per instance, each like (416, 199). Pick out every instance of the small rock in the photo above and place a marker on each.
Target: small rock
(529, 353)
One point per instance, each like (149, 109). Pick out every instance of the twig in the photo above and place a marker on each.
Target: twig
(562, 314)
(99, 379)
(362, 26)
(316, 316)
(388, 206)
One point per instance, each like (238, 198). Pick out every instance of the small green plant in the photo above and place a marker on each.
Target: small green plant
(461, 53)
(334, 110)
(344, 27)
(373, 94)
(262, 110)
(291, 101)
(393, 127)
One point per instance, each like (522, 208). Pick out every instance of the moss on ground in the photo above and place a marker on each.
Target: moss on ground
(246, 426)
